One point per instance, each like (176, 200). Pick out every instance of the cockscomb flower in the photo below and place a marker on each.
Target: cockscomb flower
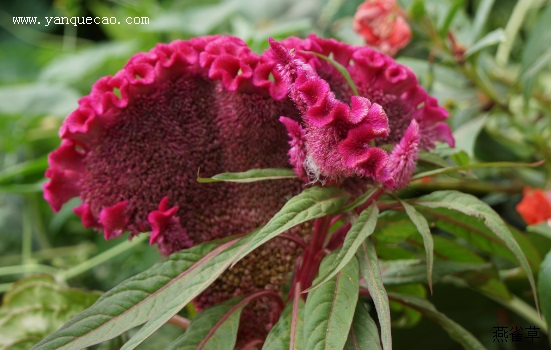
(132, 148)
(341, 134)
(382, 26)
(535, 206)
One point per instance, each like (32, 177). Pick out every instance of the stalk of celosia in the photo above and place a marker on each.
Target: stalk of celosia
(132, 148)
(535, 206)
(381, 24)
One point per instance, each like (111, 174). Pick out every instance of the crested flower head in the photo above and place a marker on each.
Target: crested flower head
(132, 149)
(380, 23)
(342, 134)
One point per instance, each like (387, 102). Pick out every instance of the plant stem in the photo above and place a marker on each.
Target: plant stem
(179, 321)
(27, 239)
(24, 269)
(101, 258)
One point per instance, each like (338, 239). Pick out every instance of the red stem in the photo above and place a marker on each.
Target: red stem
(294, 316)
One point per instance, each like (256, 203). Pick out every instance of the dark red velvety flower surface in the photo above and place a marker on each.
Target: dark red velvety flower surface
(132, 149)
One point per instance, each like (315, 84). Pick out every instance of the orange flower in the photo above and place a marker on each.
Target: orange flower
(535, 206)
(380, 23)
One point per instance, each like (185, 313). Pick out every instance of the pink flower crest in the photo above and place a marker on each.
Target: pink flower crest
(340, 134)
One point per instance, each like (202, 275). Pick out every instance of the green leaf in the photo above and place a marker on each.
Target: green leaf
(250, 176)
(481, 17)
(423, 227)
(310, 204)
(451, 251)
(394, 227)
(198, 20)
(398, 272)
(475, 208)
(73, 68)
(417, 9)
(36, 306)
(38, 99)
(329, 309)
(467, 133)
(363, 334)
(456, 332)
(454, 8)
(492, 38)
(33, 166)
(536, 54)
(476, 166)
(544, 288)
(371, 274)
(215, 328)
(156, 294)
(279, 337)
(404, 316)
(360, 230)
(542, 229)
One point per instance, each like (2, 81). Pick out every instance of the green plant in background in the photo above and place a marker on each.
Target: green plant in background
(375, 227)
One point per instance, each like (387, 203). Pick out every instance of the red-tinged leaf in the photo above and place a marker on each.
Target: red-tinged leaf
(213, 329)
(371, 274)
(360, 230)
(329, 309)
(312, 203)
(284, 335)
(423, 227)
(155, 294)
(363, 334)
(494, 228)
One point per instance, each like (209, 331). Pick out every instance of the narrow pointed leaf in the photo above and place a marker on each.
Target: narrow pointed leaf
(310, 204)
(397, 272)
(279, 337)
(455, 331)
(544, 289)
(423, 227)
(360, 230)
(481, 16)
(197, 279)
(475, 208)
(329, 309)
(371, 274)
(159, 291)
(250, 176)
(224, 332)
(492, 38)
(363, 334)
